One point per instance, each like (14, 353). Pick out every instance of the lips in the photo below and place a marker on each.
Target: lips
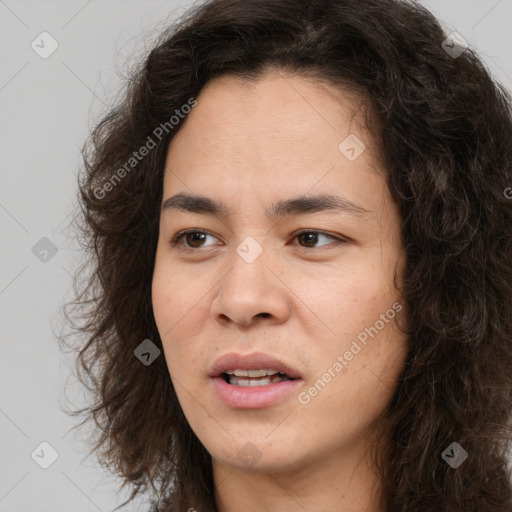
(255, 361)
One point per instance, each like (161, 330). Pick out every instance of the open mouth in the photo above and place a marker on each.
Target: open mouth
(253, 382)
(246, 381)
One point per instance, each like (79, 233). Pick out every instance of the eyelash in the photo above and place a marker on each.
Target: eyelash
(175, 241)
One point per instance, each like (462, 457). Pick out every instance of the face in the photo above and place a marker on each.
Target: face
(287, 266)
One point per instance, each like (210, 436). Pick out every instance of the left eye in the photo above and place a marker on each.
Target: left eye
(310, 238)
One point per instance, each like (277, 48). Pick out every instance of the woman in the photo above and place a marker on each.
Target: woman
(300, 234)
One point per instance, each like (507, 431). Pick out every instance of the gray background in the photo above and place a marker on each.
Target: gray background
(48, 107)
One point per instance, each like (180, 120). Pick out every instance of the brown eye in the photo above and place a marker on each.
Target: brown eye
(310, 238)
(194, 239)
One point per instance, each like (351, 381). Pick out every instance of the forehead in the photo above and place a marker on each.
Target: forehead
(279, 132)
(232, 111)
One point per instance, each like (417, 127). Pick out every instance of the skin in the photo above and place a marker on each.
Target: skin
(248, 145)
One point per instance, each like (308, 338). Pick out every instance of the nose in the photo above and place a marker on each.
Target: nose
(251, 293)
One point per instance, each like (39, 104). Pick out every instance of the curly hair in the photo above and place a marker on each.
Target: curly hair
(444, 128)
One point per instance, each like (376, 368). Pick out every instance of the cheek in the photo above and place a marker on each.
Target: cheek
(180, 309)
(175, 297)
(348, 301)
(360, 392)
(358, 313)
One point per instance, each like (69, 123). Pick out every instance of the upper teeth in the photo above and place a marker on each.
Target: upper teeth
(252, 373)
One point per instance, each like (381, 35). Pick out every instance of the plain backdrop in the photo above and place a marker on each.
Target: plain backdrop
(48, 106)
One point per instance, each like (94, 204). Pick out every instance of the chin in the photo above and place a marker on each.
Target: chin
(256, 455)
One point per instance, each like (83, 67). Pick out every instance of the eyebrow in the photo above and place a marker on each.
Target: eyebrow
(289, 207)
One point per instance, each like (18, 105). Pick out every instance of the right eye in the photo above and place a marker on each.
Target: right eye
(192, 237)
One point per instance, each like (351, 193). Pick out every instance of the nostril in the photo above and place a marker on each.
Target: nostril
(264, 315)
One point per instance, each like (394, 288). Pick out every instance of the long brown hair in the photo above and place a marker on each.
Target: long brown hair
(445, 133)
